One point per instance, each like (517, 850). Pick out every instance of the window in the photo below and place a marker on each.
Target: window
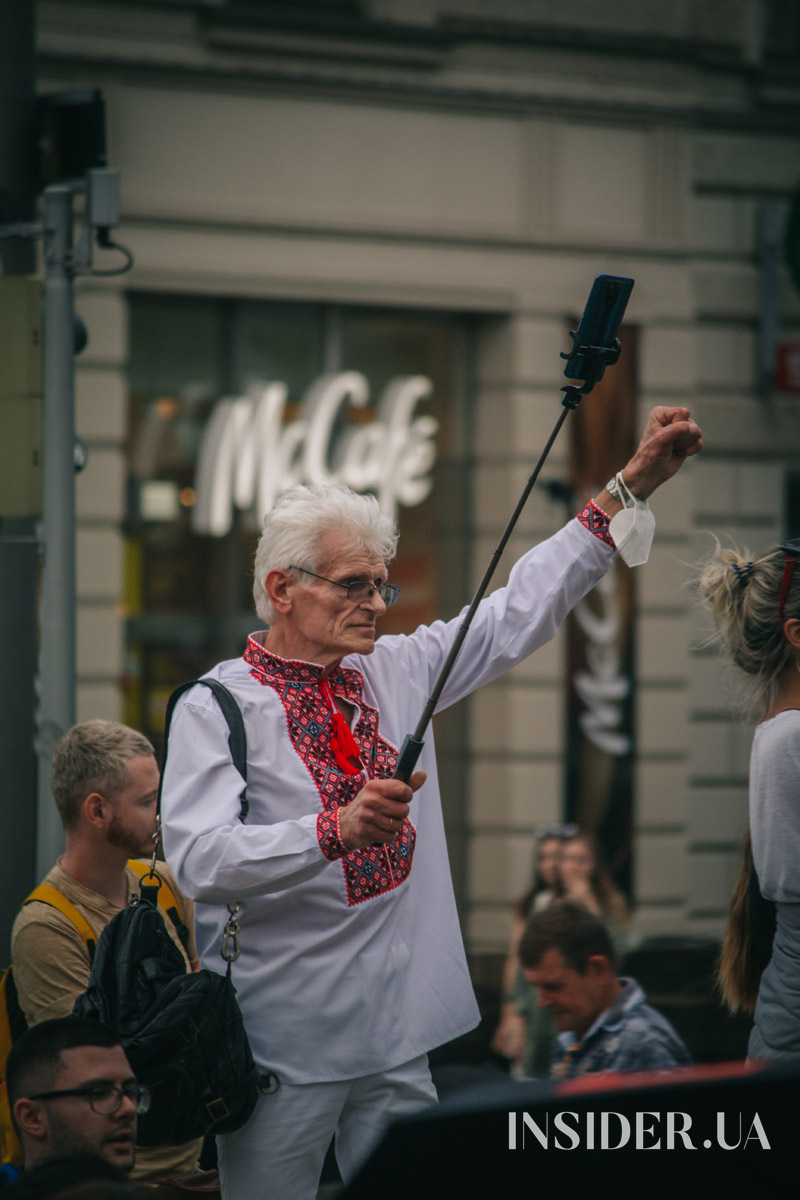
(189, 594)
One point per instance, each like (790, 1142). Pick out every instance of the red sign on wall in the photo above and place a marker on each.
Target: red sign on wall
(787, 366)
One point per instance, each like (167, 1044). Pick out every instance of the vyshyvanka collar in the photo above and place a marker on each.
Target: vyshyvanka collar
(345, 682)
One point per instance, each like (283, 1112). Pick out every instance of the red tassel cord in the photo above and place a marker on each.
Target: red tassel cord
(343, 744)
(346, 752)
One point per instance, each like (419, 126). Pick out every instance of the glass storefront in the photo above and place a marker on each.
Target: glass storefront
(189, 592)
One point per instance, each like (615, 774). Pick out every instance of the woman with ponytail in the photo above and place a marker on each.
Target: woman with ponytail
(756, 608)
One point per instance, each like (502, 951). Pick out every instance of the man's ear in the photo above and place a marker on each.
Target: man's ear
(278, 585)
(598, 966)
(31, 1119)
(96, 809)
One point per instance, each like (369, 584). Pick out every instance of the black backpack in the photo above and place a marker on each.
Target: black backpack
(183, 1033)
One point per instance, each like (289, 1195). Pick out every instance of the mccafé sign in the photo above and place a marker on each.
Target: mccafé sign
(250, 454)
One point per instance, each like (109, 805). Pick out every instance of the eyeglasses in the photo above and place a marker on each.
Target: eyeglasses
(359, 590)
(791, 550)
(104, 1099)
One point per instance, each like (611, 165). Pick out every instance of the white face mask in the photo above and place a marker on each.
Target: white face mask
(632, 528)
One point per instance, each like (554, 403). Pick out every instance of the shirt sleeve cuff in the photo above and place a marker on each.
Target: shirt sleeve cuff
(329, 835)
(597, 522)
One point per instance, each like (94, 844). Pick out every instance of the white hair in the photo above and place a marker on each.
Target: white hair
(295, 525)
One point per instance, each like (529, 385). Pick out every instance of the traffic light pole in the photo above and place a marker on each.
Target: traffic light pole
(73, 140)
(56, 682)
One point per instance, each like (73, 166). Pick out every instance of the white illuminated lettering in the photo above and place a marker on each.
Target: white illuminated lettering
(322, 403)
(250, 455)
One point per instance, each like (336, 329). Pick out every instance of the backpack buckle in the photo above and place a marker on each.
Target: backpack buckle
(217, 1109)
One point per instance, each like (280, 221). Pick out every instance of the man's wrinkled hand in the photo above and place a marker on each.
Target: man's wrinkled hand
(670, 437)
(377, 812)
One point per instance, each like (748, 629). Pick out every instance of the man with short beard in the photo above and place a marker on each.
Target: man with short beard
(105, 785)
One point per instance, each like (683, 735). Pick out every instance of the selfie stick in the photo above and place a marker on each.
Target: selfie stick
(584, 361)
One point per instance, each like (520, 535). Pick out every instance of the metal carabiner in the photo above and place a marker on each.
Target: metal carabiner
(231, 934)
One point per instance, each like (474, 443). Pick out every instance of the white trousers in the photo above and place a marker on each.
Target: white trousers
(279, 1153)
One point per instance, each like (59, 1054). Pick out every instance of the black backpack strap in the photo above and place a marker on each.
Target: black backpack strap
(237, 738)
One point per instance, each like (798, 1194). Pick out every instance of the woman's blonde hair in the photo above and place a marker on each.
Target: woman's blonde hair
(743, 595)
(740, 962)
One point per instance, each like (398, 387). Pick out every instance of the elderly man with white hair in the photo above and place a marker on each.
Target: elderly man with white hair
(352, 965)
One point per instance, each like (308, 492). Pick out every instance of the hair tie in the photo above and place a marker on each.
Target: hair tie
(743, 573)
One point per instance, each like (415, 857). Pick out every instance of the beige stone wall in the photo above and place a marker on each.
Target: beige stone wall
(101, 421)
(739, 494)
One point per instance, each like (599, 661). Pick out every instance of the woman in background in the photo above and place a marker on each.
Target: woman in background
(511, 1035)
(569, 867)
(584, 879)
(756, 608)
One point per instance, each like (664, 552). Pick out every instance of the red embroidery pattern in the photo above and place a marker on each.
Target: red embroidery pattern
(328, 836)
(597, 522)
(376, 869)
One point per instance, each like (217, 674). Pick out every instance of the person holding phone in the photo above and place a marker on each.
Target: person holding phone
(352, 965)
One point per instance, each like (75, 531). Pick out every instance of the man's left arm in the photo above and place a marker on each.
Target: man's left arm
(550, 579)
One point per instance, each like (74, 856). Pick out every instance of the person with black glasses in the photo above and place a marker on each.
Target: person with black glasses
(351, 964)
(755, 602)
(71, 1091)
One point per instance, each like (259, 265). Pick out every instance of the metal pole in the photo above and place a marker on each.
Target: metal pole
(57, 609)
(18, 542)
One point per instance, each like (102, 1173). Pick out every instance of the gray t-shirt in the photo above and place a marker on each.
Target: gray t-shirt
(775, 806)
(775, 830)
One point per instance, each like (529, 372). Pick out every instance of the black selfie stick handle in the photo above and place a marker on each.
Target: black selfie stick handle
(409, 754)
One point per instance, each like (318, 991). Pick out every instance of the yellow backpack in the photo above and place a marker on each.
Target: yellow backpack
(12, 1018)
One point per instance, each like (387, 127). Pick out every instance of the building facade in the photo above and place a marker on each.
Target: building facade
(425, 189)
